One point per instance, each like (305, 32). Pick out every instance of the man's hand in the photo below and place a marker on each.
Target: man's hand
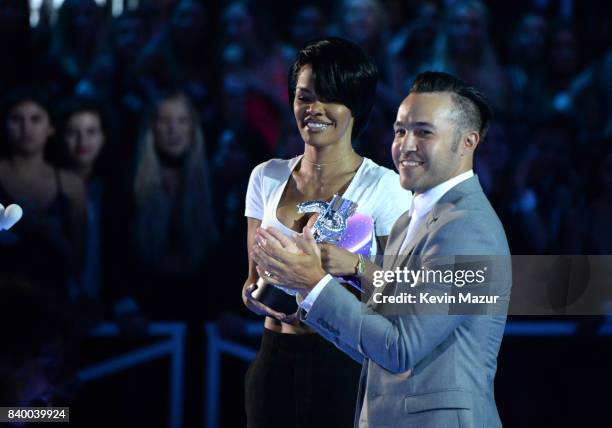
(335, 260)
(338, 261)
(294, 264)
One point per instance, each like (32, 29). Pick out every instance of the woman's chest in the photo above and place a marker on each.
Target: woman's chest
(286, 211)
(35, 192)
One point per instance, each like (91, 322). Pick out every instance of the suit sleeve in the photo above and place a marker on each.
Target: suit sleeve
(397, 342)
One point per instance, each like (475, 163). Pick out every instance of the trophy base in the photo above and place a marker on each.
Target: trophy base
(274, 298)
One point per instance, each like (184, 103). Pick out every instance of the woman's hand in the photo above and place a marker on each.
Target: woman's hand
(338, 261)
(259, 308)
(280, 265)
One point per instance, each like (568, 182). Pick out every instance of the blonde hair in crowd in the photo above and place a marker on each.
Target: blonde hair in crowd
(187, 214)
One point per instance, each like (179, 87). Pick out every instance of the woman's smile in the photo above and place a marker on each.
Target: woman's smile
(315, 125)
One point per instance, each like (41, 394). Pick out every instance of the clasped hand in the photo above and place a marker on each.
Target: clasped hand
(297, 263)
(293, 263)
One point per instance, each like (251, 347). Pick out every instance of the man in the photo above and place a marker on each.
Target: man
(420, 369)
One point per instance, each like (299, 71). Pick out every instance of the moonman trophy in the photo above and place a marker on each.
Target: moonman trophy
(337, 224)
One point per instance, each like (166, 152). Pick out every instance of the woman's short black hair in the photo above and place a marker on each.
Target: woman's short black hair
(342, 73)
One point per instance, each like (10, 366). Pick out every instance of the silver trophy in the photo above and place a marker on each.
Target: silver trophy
(331, 224)
(329, 227)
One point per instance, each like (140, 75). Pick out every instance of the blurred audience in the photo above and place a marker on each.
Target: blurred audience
(464, 48)
(545, 187)
(112, 210)
(254, 63)
(413, 45)
(588, 229)
(46, 245)
(309, 23)
(76, 40)
(527, 69)
(365, 23)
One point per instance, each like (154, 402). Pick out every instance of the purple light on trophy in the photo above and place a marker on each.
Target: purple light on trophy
(358, 235)
(338, 224)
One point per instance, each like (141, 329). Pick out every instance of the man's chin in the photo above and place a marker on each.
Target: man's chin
(407, 183)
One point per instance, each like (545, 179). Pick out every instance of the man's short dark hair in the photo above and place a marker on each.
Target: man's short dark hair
(342, 73)
(474, 111)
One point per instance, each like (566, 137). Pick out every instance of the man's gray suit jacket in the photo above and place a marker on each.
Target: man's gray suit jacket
(421, 369)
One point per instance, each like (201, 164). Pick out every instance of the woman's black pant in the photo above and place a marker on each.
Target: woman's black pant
(300, 381)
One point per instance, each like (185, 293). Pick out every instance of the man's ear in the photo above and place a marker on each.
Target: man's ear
(471, 140)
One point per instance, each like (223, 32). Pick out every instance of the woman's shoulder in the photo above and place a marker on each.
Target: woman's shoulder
(276, 168)
(384, 188)
(374, 173)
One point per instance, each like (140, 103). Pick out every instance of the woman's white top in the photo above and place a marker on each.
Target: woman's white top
(375, 189)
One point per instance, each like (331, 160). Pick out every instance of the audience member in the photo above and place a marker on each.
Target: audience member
(171, 230)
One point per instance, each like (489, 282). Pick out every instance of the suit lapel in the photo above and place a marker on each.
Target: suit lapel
(396, 237)
(423, 229)
(470, 185)
(398, 232)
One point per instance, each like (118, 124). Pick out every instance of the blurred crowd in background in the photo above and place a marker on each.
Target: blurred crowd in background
(129, 140)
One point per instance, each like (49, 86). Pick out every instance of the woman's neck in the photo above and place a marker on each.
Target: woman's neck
(84, 171)
(27, 163)
(324, 163)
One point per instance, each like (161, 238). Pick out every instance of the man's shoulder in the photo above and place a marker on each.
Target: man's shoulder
(468, 224)
(465, 204)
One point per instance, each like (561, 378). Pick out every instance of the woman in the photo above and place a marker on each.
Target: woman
(297, 374)
(172, 226)
(84, 130)
(46, 244)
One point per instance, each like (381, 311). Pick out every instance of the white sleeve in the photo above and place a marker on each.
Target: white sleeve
(306, 304)
(254, 204)
(392, 201)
